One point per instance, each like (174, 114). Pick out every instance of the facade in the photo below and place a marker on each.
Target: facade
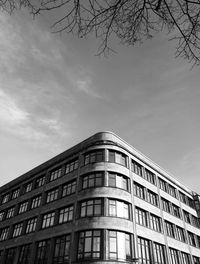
(100, 201)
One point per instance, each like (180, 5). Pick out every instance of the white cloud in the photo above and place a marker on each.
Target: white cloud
(85, 85)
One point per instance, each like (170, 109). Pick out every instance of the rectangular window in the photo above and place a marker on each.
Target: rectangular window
(162, 184)
(36, 202)
(48, 220)
(118, 181)
(144, 251)
(69, 188)
(31, 225)
(191, 238)
(89, 245)
(182, 197)
(15, 193)
(186, 216)
(141, 216)
(173, 253)
(10, 212)
(195, 221)
(152, 197)
(118, 209)
(139, 190)
(4, 233)
(71, 166)
(180, 234)
(159, 253)
(170, 229)
(61, 251)
(66, 214)
(42, 252)
(55, 174)
(40, 182)
(165, 205)
(185, 258)
(5, 198)
(117, 157)
(17, 230)
(92, 180)
(52, 195)
(23, 207)
(2, 213)
(196, 260)
(94, 156)
(28, 187)
(150, 177)
(176, 211)
(24, 255)
(172, 190)
(10, 255)
(91, 208)
(155, 222)
(136, 167)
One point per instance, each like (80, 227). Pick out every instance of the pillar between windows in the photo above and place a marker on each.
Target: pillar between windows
(43, 199)
(106, 155)
(103, 242)
(51, 253)
(56, 219)
(60, 192)
(16, 255)
(33, 253)
(39, 223)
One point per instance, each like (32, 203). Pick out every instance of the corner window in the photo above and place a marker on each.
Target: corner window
(94, 156)
(118, 209)
(92, 180)
(118, 181)
(91, 208)
(117, 157)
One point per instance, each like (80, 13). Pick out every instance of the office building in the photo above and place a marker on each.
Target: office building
(101, 201)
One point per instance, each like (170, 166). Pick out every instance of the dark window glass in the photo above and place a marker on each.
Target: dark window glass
(94, 156)
(48, 220)
(10, 255)
(5, 198)
(61, 251)
(92, 180)
(24, 255)
(118, 181)
(159, 253)
(144, 251)
(42, 252)
(52, 195)
(139, 190)
(66, 214)
(71, 166)
(91, 208)
(186, 217)
(2, 214)
(196, 260)
(165, 205)
(31, 225)
(182, 197)
(191, 238)
(173, 253)
(69, 188)
(136, 167)
(176, 211)
(180, 234)
(55, 174)
(141, 216)
(185, 258)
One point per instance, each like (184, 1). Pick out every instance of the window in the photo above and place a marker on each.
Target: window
(10, 212)
(23, 207)
(196, 260)
(183, 197)
(4, 233)
(172, 190)
(185, 258)
(15, 193)
(162, 185)
(71, 166)
(55, 174)
(48, 220)
(91, 208)
(118, 181)
(119, 245)
(150, 177)
(173, 253)
(186, 217)
(10, 255)
(170, 229)
(117, 157)
(118, 209)
(92, 180)
(165, 205)
(144, 251)
(28, 187)
(31, 225)
(141, 216)
(69, 188)
(152, 197)
(155, 223)
(159, 253)
(61, 251)
(89, 245)
(66, 214)
(2, 213)
(136, 167)
(17, 230)
(195, 221)
(191, 203)
(40, 182)
(36, 201)
(139, 190)
(5, 198)
(42, 252)
(180, 234)
(24, 255)
(191, 238)
(52, 195)
(176, 211)
(94, 156)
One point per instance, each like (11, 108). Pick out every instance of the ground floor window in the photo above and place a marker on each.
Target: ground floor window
(144, 250)
(24, 255)
(61, 252)
(42, 252)
(10, 255)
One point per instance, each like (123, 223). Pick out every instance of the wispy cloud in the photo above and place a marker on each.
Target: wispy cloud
(86, 86)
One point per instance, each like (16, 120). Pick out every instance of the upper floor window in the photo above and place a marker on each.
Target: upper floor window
(5, 198)
(48, 220)
(17, 230)
(10, 255)
(2, 214)
(52, 195)
(165, 205)
(155, 223)
(91, 208)
(172, 190)
(69, 188)
(55, 174)
(185, 258)
(66, 214)
(141, 216)
(173, 253)
(31, 225)
(139, 190)
(71, 166)
(4, 233)
(23, 207)
(61, 251)
(150, 176)
(196, 260)
(186, 216)
(136, 167)
(42, 252)
(195, 221)
(24, 255)
(119, 245)
(10, 212)
(92, 180)
(162, 184)
(191, 238)
(152, 197)
(28, 187)
(94, 156)
(118, 209)
(36, 202)
(40, 182)
(183, 197)
(176, 211)
(89, 244)
(170, 229)
(118, 180)
(159, 253)
(15, 193)
(180, 234)
(117, 157)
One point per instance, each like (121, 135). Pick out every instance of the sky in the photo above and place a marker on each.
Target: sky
(55, 92)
